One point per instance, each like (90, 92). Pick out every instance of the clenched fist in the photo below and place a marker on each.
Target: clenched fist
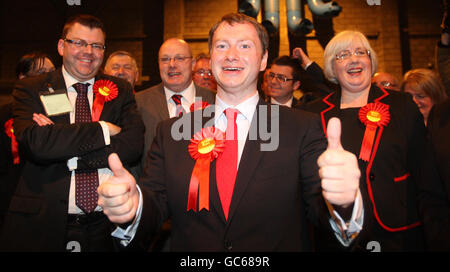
(338, 169)
(118, 196)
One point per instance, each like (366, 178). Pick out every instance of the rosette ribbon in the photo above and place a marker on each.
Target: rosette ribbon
(373, 116)
(14, 145)
(205, 146)
(198, 105)
(104, 91)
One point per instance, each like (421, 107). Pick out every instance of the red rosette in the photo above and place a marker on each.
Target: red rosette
(198, 105)
(205, 146)
(14, 145)
(372, 115)
(104, 91)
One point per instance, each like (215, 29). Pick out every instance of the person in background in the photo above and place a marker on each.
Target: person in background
(202, 74)
(123, 65)
(34, 64)
(434, 185)
(385, 130)
(386, 80)
(173, 97)
(426, 88)
(283, 80)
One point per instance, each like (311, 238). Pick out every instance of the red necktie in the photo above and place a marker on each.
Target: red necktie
(177, 99)
(86, 181)
(227, 162)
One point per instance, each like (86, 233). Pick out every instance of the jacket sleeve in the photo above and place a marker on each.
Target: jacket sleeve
(51, 143)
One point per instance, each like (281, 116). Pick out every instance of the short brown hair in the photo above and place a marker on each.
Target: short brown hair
(239, 18)
(83, 19)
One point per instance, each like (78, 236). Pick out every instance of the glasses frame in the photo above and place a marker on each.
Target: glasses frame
(280, 78)
(82, 43)
(354, 53)
(203, 73)
(176, 59)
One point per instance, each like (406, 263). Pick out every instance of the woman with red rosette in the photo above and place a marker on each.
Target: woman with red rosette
(385, 130)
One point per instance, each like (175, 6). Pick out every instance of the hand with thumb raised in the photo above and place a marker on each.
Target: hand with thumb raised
(118, 196)
(338, 169)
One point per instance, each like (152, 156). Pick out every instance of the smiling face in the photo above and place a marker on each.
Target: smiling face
(354, 73)
(176, 75)
(122, 66)
(423, 101)
(281, 91)
(82, 63)
(236, 59)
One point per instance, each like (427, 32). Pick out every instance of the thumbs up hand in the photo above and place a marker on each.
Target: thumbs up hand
(118, 196)
(338, 169)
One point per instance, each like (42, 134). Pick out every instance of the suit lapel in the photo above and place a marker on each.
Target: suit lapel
(333, 105)
(162, 103)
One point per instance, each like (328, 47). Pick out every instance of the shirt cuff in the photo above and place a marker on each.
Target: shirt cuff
(346, 232)
(126, 235)
(105, 132)
(72, 163)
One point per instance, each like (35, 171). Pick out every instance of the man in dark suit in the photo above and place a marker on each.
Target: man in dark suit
(156, 104)
(65, 151)
(257, 194)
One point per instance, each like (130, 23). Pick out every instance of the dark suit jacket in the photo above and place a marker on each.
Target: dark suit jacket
(435, 182)
(152, 105)
(37, 216)
(388, 182)
(274, 194)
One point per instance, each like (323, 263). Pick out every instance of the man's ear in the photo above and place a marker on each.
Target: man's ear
(264, 61)
(61, 47)
(296, 85)
(193, 64)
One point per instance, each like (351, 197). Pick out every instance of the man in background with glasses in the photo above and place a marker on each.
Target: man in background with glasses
(173, 97)
(202, 74)
(64, 147)
(176, 93)
(283, 80)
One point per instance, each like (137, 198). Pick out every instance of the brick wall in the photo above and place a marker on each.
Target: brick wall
(379, 22)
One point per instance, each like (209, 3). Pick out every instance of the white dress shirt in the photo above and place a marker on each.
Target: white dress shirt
(103, 173)
(188, 97)
(287, 104)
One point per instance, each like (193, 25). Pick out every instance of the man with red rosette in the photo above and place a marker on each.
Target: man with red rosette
(227, 189)
(67, 122)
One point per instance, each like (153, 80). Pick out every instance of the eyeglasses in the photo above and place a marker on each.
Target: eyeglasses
(203, 73)
(83, 43)
(346, 54)
(280, 78)
(176, 59)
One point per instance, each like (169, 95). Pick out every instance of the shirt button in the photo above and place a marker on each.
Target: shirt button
(371, 176)
(228, 245)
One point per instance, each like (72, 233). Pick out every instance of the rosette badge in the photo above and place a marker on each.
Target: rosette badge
(205, 146)
(104, 91)
(373, 116)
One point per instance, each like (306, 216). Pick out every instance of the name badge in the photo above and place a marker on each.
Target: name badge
(55, 102)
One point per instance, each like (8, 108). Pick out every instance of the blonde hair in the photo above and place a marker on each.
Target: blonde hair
(339, 43)
(425, 80)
